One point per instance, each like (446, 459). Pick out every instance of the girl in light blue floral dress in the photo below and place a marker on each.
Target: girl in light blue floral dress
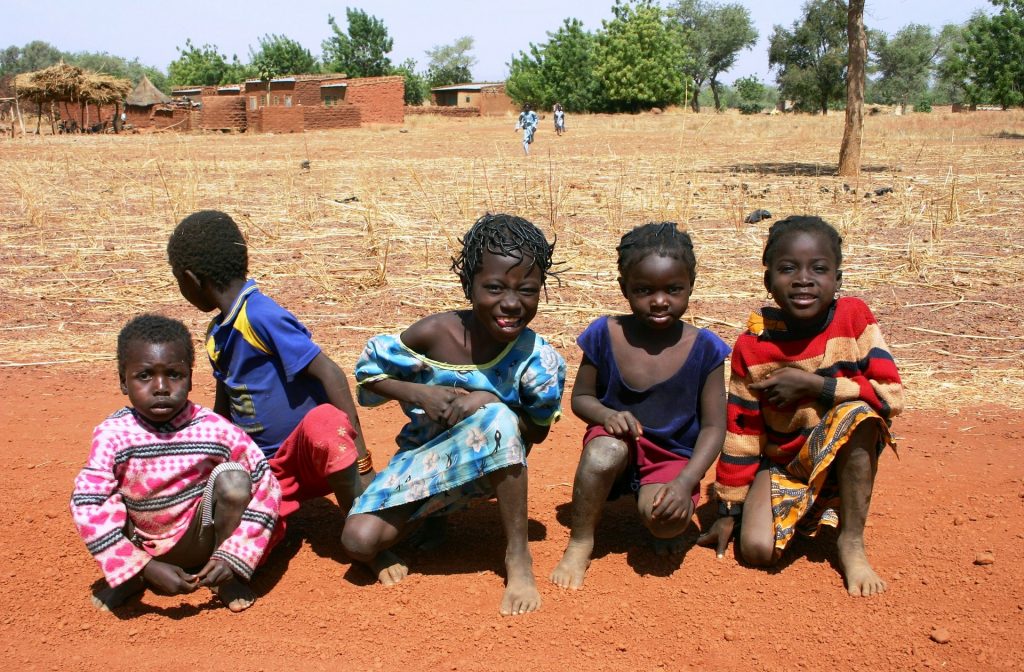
(480, 389)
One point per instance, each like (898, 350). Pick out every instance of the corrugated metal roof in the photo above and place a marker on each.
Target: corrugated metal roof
(467, 87)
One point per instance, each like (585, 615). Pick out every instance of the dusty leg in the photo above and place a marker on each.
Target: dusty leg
(231, 494)
(367, 536)
(346, 487)
(109, 598)
(757, 533)
(668, 537)
(521, 595)
(603, 460)
(856, 465)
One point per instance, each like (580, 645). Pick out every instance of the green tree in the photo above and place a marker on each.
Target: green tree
(560, 70)
(363, 50)
(904, 64)
(203, 66)
(811, 57)
(451, 63)
(948, 86)
(638, 57)
(282, 55)
(33, 56)
(989, 60)
(751, 93)
(118, 66)
(715, 34)
(416, 87)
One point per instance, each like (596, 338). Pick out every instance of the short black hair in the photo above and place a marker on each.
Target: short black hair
(209, 244)
(795, 224)
(661, 238)
(153, 328)
(505, 235)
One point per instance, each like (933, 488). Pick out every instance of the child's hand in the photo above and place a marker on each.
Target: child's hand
(788, 386)
(214, 573)
(169, 579)
(466, 405)
(436, 400)
(718, 535)
(622, 424)
(673, 502)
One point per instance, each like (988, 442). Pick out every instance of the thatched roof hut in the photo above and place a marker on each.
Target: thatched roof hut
(146, 95)
(71, 84)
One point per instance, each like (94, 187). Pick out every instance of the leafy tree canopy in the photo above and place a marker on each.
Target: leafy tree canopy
(638, 57)
(904, 63)
(988, 61)
(33, 56)
(204, 66)
(451, 63)
(279, 55)
(560, 70)
(714, 36)
(416, 88)
(363, 50)
(811, 57)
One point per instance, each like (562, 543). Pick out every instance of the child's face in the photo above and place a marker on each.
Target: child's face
(505, 295)
(658, 290)
(192, 290)
(804, 277)
(157, 379)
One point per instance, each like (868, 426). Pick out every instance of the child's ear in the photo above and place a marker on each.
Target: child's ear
(622, 288)
(839, 279)
(124, 385)
(767, 281)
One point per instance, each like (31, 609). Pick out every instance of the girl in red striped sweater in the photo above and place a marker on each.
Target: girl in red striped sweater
(812, 392)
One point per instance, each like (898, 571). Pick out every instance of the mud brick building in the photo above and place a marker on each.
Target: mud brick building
(488, 99)
(298, 103)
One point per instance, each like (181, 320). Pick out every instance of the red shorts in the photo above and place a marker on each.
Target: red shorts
(322, 444)
(648, 463)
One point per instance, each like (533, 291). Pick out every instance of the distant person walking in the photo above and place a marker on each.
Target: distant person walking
(527, 122)
(559, 114)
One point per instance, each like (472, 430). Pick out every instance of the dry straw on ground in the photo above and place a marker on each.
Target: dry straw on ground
(360, 242)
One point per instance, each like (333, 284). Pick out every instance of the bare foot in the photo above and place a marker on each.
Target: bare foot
(861, 579)
(111, 598)
(572, 568)
(672, 546)
(521, 595)
(235, 595)
(389, 568)
(430, 535)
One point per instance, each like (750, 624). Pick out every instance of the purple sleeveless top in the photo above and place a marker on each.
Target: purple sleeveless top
(670, 410)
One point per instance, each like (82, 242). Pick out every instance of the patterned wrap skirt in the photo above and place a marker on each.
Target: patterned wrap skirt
(805, 492)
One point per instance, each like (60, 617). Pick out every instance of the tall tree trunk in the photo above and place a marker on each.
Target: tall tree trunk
(853, 133)
(694, 103)
(714, 91)
(39, 116)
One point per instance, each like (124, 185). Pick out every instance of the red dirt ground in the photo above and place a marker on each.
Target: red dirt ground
(955, 491)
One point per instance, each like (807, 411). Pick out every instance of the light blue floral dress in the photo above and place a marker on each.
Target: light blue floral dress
(444, 468)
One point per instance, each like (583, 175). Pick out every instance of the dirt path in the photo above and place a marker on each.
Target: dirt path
(957, 490)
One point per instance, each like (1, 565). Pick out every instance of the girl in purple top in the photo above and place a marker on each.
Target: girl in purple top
(652, 391)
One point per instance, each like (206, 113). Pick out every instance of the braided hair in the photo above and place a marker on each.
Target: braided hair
(153, 329)
(661, 238)
(795, 224)
(503, 235)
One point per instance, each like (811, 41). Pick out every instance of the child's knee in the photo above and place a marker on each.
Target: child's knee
(360, 538)
(233, 489)
(757, 552)
(664, 530)
(326, 424)
(604, 454)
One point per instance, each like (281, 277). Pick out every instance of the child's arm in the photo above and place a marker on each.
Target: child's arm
(335, 385)
(222, 402)
(587, 407)
(100, 514)
(672, 502)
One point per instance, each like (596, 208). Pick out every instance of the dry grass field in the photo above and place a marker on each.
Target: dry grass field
(360, 243)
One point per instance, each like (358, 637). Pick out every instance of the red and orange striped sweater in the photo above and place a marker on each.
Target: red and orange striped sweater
(849, 352)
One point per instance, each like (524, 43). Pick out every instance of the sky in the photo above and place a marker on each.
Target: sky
(152, 31)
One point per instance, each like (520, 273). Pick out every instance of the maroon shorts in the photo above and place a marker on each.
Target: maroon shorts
(648, 463)
(322, 444)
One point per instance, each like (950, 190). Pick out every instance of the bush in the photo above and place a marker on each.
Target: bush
(923, 105)
(749, 108)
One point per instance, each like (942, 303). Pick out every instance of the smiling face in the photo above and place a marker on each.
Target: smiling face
(157, 379)
(505, 296)
(658, 289)
(803, 276)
